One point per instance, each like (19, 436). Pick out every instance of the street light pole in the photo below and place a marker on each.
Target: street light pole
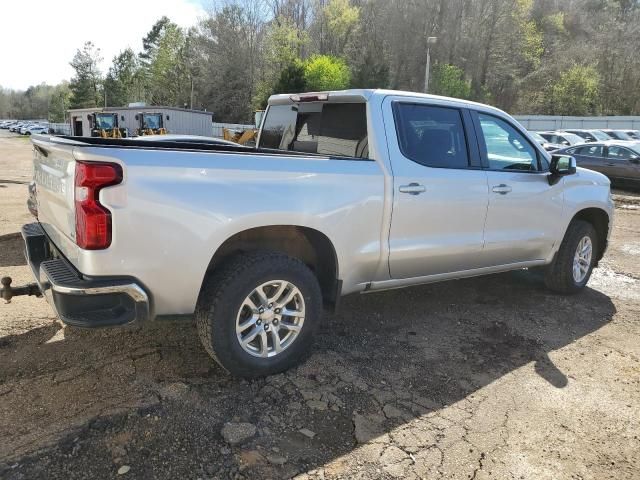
(427, 72)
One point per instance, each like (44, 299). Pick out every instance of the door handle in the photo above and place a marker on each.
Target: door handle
(502, 189)
(412, 189)
(608, 164)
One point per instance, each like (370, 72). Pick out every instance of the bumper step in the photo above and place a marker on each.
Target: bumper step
(80, 300)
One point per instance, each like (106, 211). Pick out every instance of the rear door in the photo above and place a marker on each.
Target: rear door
(621, 164)
(439, 189)
(522, 218)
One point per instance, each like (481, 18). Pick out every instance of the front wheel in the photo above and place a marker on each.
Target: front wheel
(574, 262)
(257, 315)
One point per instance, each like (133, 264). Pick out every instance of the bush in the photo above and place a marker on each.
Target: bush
(324, 72)
(449, 80)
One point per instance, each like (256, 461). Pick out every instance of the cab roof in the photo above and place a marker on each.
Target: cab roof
(367, 95)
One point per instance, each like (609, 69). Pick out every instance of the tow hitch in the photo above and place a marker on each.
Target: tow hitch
(8, 292)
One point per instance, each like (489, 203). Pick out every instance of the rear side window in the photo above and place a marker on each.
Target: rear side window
(588, 151)
(334, 129)
(431, 136)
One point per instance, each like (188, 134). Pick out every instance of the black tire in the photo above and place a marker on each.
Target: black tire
(222, 296)
(559, 274)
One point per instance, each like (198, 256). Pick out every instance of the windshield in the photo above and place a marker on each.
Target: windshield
(635, 147)
(105, 121)
(537, 137)
(600, 135)
(620, 135)
(152, 120)
(573, 138)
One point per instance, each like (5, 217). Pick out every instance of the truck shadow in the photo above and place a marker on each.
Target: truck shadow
(11, 250)
(99, 399)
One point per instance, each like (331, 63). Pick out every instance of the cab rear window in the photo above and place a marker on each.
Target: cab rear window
(333, 129)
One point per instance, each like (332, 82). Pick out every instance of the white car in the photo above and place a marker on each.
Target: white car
(25, 127)
(349, 191)
(37, 129)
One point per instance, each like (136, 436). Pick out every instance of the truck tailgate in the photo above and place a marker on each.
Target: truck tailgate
(53, 171)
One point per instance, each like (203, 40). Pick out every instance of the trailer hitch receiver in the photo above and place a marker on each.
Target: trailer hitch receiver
(7, 292)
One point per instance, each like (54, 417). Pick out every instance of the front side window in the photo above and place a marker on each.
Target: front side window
(431, 136)
(506, 148)
(334, 129)
(619, 153)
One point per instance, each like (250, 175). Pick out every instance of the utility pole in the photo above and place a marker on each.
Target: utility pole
(191, 97)
(430, 41)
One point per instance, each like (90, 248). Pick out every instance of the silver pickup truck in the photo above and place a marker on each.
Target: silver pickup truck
(350, 191)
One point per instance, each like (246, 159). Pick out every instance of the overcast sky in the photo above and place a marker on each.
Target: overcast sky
(38, 38)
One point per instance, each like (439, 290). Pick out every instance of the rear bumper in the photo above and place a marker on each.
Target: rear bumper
(79, 300)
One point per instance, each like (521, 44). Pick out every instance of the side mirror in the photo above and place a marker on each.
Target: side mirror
(561, 165)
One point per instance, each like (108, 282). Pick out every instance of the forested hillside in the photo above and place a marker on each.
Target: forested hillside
(570, 57)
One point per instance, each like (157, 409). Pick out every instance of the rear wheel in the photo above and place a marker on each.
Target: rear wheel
(574, 262)
(257, 315)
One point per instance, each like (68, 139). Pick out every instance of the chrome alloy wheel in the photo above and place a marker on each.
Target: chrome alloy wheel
(270, 318)
(582, 259)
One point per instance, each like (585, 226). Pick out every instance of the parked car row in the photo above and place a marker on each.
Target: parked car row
(617, 159)
(615, 153)
(25, 127)
(573, 136)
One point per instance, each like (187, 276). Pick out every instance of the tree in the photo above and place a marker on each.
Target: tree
(124, 79)
(85, 85)
(576, 92)
(339, 20)
(283, 45)
(292, 79)
(225, 83)
(515, 54)
(167, 70)
(151, 41)
(324, 72)
(449, 80)
(59, 103)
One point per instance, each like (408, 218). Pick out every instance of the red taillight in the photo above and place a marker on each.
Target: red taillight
(93, 221)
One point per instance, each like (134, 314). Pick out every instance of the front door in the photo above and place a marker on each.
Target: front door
(439, 189)
(522, 219)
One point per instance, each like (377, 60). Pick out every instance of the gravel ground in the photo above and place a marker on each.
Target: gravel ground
(487, 378)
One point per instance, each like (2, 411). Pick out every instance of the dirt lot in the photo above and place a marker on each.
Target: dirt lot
(490, 378)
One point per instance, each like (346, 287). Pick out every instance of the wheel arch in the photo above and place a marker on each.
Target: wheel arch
(311, 246)
(599, 218)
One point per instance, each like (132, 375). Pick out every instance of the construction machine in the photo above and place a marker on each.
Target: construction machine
(247, 136)
(105, 125)
(150, 124)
